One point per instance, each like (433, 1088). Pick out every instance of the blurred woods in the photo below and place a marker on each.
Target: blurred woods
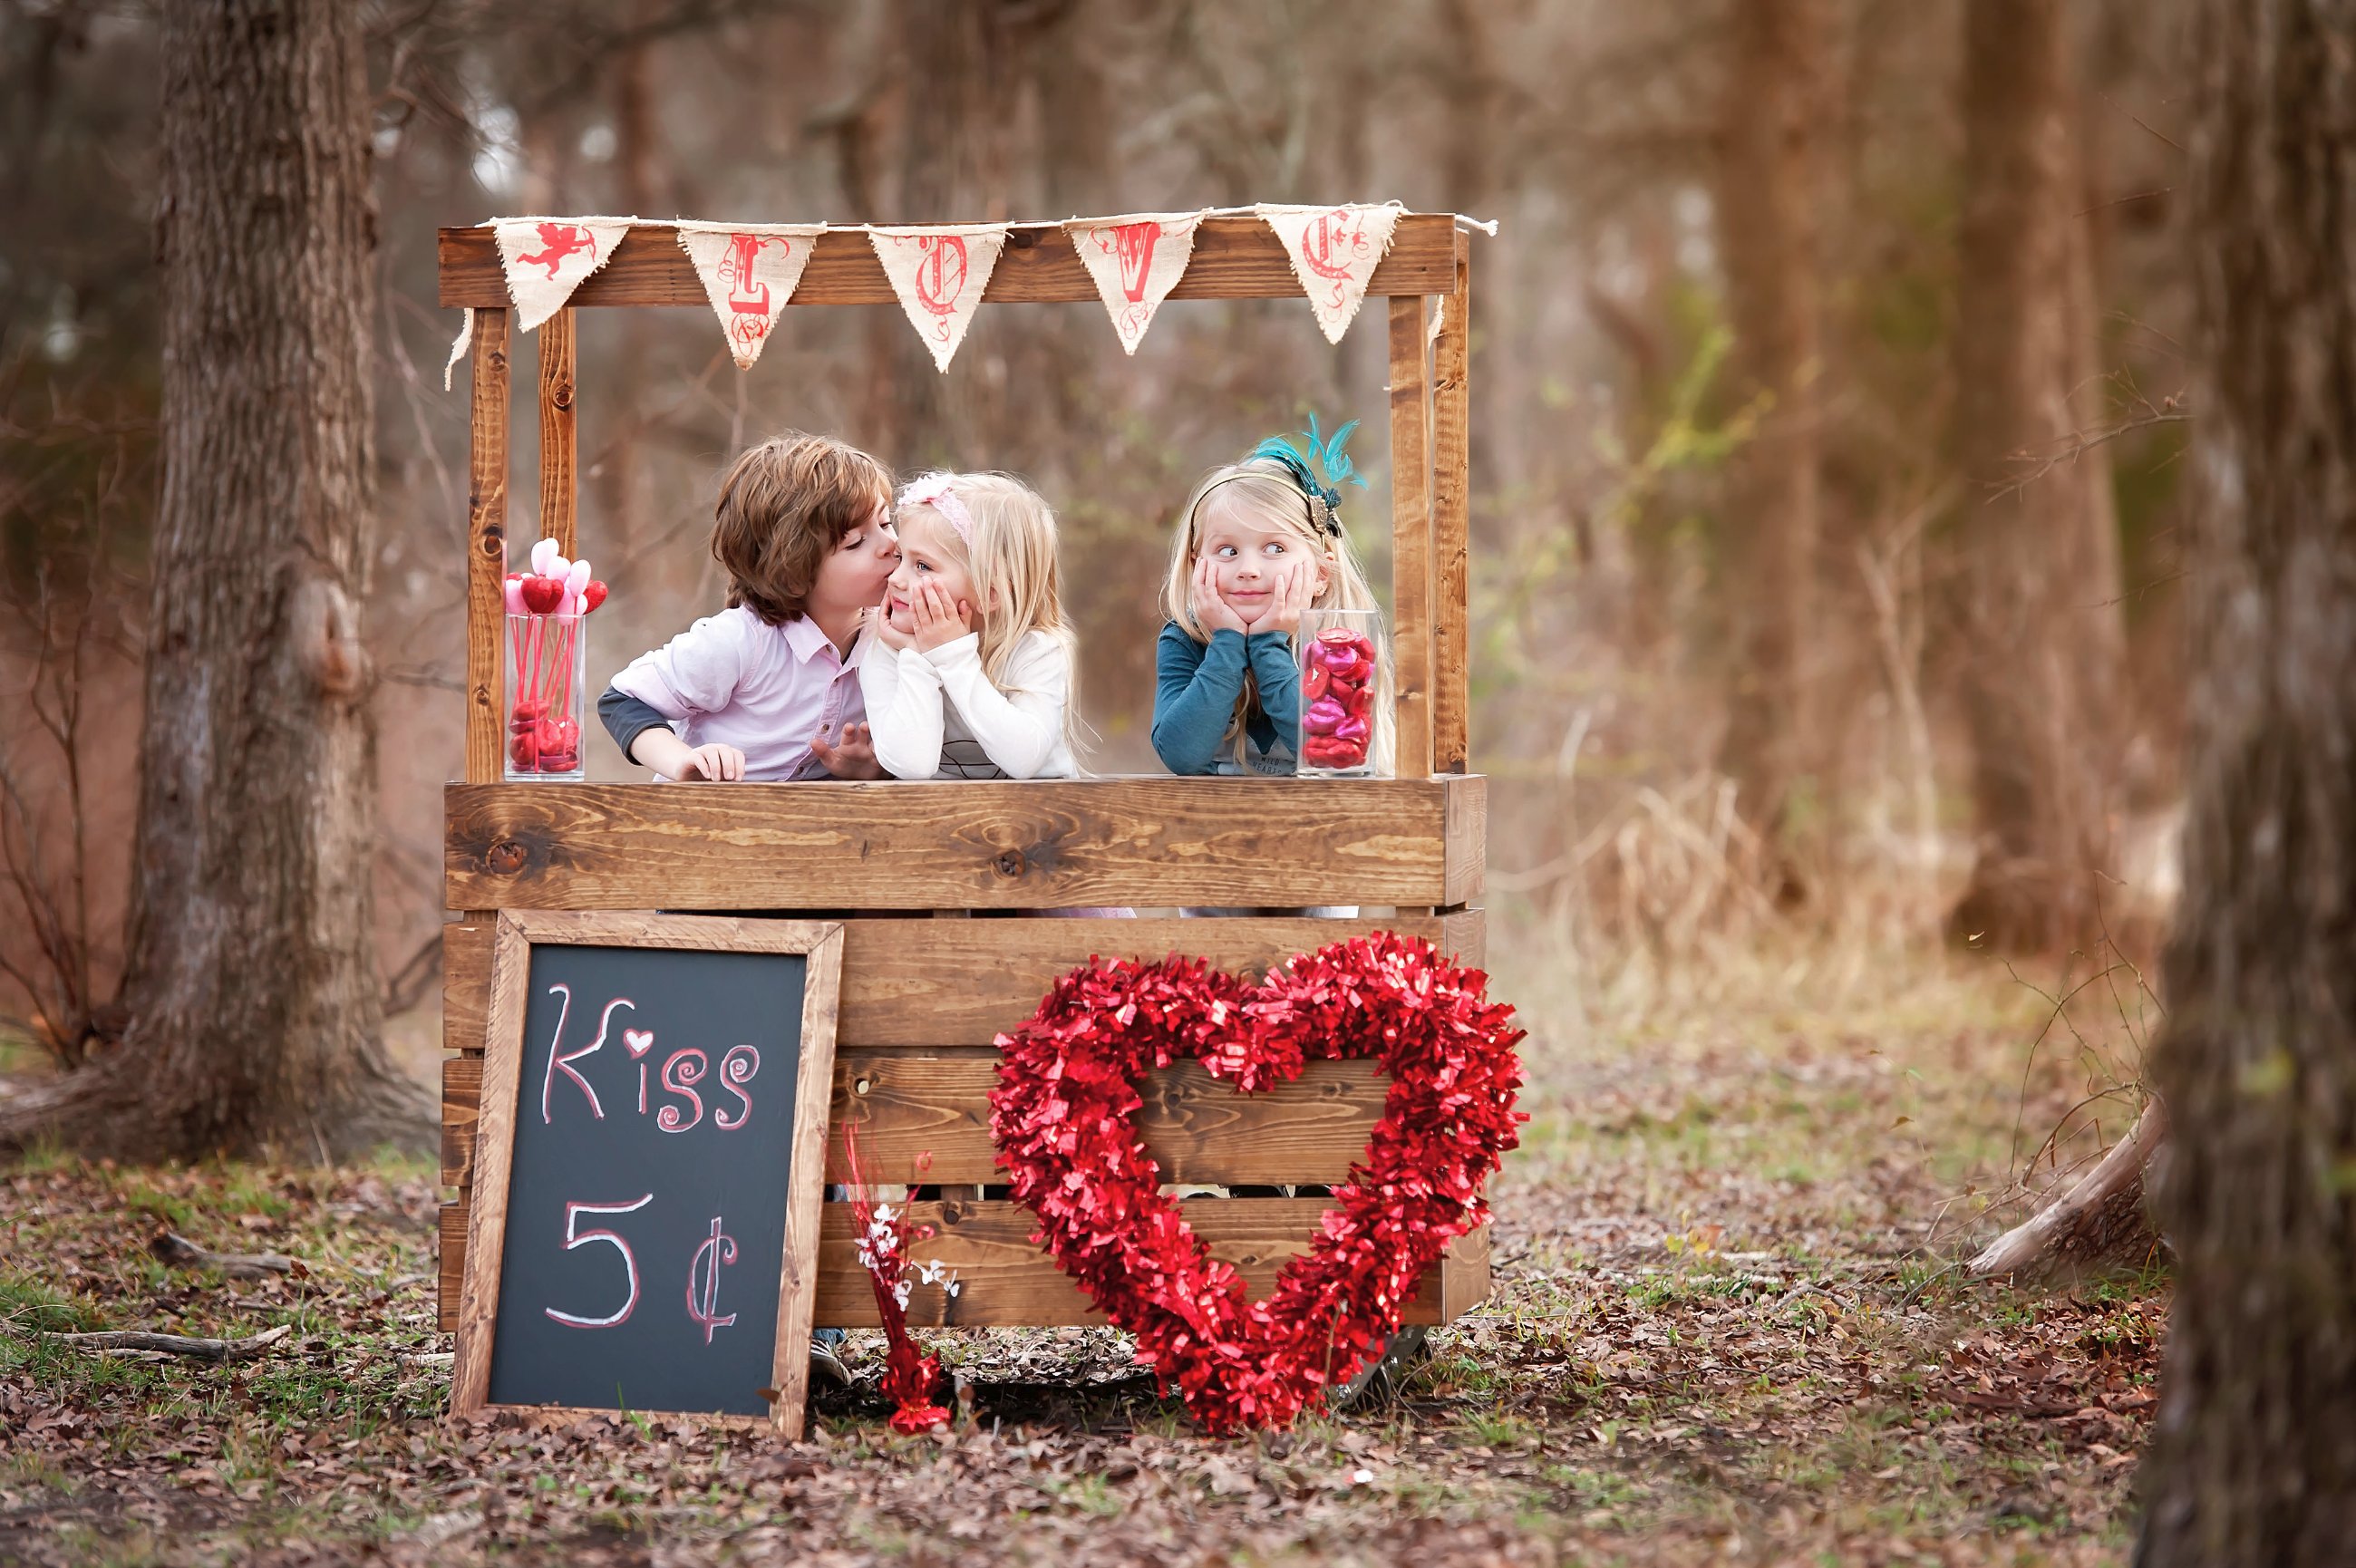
(1826, 407)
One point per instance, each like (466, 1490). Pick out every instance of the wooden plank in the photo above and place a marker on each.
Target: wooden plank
(915, 984)
(1467, 833)
(486, 1209)
(912, 985)
(1452, 527)
(1410, 540)
(558, 484)
(450, 1267)
(1043, 844)
(1005, 1280)
(466, 982)
(1234, 258)
(1464, 1280)
(805, 1184)
(462, 1095)
(927, 1119)
(487, 544)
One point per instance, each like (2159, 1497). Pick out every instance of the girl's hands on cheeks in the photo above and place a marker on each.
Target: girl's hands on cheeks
(1211, 611)
(891, 637)
(1295, 587)
(939, 621)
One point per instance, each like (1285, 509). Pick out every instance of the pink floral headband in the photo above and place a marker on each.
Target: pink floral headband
(933, 490)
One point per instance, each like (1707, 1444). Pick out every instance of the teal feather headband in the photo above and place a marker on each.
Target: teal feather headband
(1320, 472)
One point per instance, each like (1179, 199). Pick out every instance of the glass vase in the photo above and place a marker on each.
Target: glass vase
(545, 675)
(1341, 655)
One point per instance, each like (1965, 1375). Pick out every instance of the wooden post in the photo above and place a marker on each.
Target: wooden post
(1451, 519)
(1410, 537)
(486, 543)
(557, 463)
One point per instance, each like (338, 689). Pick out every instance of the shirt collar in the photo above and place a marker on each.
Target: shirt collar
(807, 641)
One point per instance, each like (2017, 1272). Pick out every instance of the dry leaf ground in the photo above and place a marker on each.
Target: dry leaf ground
(1724, 1330)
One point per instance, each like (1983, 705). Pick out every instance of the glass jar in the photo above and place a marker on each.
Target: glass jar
(1341, 655)
(546, 670)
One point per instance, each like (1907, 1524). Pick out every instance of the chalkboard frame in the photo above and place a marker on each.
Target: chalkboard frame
(820, 944)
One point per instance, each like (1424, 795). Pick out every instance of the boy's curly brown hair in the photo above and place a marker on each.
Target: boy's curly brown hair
(784, 506)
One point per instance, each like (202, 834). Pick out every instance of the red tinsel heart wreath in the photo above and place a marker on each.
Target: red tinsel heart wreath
(1064, 1117)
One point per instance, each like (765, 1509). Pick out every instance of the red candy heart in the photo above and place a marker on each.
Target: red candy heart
(1064, 1117)
(523, 750)
(542, 594)
(592, 595)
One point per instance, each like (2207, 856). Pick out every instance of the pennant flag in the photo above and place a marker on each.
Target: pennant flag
(547, 258)
(1334, 252)
(749, 272)
(1136, 262)
(939, 274)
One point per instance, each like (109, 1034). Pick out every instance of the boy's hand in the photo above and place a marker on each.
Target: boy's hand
(1290, 601)
(721, 764)
(1211, 613)
(938, 622)
(661, 749)
(855, 758)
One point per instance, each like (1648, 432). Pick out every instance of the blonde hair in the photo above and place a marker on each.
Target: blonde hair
(1017, 586)
(1261, 493)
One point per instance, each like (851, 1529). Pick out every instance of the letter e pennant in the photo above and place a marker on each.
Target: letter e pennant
(1136, 262)
(546, 259)
(749, 272)
(1334, 252)
(939, 274)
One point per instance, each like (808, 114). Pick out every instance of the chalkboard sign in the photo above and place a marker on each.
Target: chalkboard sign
(650, 1166)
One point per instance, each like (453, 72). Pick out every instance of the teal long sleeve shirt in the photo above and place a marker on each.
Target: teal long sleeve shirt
(1195, 688)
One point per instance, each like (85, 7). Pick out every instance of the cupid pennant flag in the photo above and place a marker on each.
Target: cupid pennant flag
(1334, 252)
(1136, 262)
(939, 274)
(749, 272)
(547, 258)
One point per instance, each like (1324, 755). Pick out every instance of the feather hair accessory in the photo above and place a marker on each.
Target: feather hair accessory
(1320, 472)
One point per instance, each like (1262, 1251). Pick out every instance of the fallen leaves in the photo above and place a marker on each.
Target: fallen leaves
(1713, 1325)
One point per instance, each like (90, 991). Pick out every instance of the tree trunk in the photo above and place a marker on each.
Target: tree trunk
(1767, 204)
(2254, 1458)
(251, 983)
(2042, 646)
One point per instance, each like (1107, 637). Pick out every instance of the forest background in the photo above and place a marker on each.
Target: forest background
(1826, 416)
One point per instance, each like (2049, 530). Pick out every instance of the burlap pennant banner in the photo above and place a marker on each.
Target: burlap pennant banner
(546, 259)
(1335, 252)
(748, 270)
(939, 274)
(1136, 261)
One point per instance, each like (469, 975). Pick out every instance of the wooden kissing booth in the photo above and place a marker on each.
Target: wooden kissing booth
(922, 997)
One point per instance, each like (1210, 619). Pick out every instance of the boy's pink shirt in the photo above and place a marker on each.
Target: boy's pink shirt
(738, 681)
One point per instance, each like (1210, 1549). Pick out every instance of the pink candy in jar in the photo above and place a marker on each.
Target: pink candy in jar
(1337, 676)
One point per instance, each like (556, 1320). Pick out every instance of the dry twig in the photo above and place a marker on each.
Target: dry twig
(216, 1350)
(176, 1250)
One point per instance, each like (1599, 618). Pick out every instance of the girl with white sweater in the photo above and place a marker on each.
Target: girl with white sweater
(971, 677)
